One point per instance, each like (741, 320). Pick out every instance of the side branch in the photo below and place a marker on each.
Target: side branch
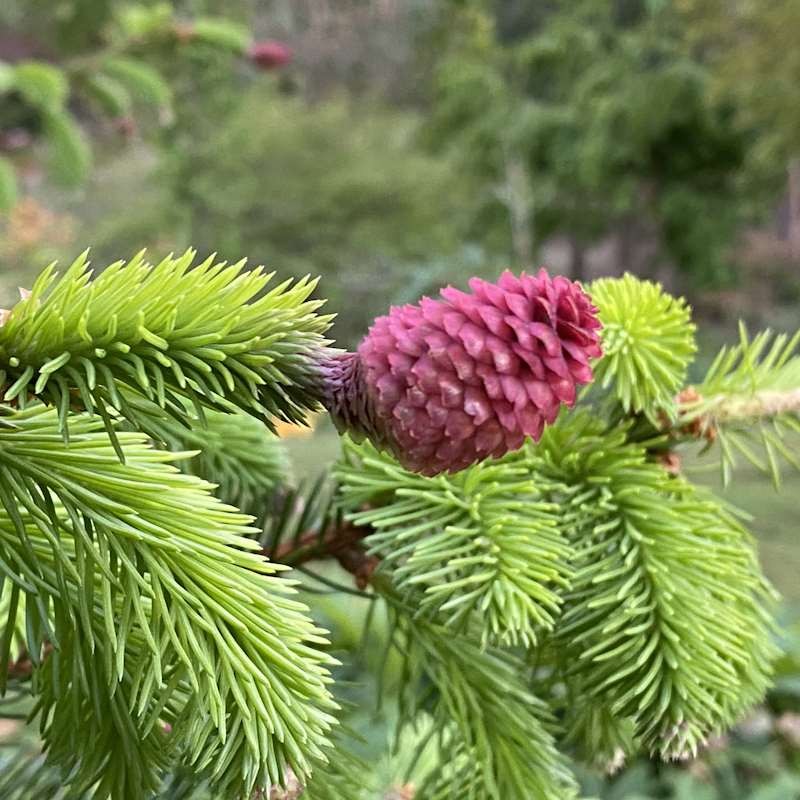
(699, 416)
(343, 542)
(759, 404)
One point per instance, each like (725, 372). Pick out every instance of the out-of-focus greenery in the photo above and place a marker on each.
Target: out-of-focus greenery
(608, 115)
(67, 67)
(635, 122)
(341, 192)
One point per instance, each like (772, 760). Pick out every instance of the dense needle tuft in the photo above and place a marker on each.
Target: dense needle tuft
(446, 383)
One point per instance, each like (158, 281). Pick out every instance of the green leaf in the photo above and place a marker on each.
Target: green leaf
(138, 20)
(70, 156)
(112, 96)
(42, 85)
(7, 77)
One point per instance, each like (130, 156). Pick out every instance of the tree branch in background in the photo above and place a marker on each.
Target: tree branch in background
(341, 540)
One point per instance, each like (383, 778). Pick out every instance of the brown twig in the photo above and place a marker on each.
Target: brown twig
(292, 791)
(690, 424)
(343, 542)
(405, 792)
(23, 667)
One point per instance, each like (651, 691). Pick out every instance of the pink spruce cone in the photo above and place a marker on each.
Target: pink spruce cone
(450, 382)
(270, 54)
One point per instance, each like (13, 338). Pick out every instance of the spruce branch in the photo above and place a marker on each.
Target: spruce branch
(494, 736)
(167, 563)
(78, 682)
(210, 334)
(748, 404)
(648, 344)
(482, 542)
(667, 621)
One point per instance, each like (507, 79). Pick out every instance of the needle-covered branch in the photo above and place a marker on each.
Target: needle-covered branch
(210, 333)
(748, 404)
(153, 559)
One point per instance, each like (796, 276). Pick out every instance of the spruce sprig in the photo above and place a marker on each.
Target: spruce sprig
(137, 553)
(648, 344)
(211, 334)
(494, 735)
(748, 403)
(667, 621)
(483, 541)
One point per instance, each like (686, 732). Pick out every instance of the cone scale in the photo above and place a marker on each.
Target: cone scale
(449, 382)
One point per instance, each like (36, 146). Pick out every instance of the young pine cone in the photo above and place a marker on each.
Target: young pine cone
(446, 383)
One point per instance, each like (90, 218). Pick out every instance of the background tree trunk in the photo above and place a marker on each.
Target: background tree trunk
(577, 264)
(516, 194)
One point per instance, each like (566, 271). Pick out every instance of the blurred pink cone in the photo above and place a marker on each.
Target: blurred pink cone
(270, 54)
(446, 383)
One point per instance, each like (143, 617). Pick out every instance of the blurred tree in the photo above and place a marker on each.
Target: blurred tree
(587, 118)
(342, 192)
(367, 47)
(66, 65)
(753, 51)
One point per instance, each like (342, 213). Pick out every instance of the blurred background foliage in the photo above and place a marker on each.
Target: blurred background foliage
(392, 146)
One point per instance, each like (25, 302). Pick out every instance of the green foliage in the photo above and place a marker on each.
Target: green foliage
(748, 398)
(45, 89)
(8, 185)
(107, 53)
(571, 599)
(42, 85)
(648, 344)
(70, 156)
(25, 775)
(571, 602)
(482, 542)
(486, 749)
(235, 452)
(222, 33)
(141, 80)
(110, 94)
(654, 626)
(742, 41)
(342, 777)
(168, 333)
(569, 95)
(143, 20)
(666, 621)
(157, 609)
